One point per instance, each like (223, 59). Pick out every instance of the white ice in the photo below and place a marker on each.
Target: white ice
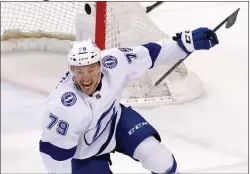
(207, 135)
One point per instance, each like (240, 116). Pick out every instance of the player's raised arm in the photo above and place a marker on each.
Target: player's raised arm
(144, 57)
(59, 139)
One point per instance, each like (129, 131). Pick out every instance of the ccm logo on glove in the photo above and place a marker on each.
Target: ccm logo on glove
(188, 37)
(199, 39)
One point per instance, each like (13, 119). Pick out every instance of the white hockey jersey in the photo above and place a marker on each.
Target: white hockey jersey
(80, 126)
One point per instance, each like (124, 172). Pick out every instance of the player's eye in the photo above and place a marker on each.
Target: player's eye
(77, 71)
(91, 70)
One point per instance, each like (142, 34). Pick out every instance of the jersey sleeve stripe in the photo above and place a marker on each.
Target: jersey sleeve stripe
(154, 50)
(55, 152)
(174, 167)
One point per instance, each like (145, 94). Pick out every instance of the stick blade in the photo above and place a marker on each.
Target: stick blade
(232, 18)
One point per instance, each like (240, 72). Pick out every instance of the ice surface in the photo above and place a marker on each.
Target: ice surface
(207, 135)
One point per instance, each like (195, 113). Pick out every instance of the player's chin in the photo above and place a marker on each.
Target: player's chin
(88, 90)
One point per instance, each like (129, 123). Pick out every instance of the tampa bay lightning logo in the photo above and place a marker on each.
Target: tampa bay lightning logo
(109, 62)
(68, 99)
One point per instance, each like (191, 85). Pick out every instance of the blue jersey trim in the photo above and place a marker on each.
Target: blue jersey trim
(154, 50)
(99, 124)
(57, 153)
(174, 167)
(111, 133)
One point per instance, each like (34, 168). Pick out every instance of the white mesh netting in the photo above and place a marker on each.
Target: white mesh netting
(127, 24)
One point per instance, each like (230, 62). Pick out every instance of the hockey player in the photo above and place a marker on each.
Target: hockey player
(84, 119)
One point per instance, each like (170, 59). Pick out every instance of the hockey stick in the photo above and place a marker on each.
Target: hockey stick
(230, 20)
(152, 7)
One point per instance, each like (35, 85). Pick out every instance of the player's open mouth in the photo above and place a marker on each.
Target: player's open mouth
(87, 84)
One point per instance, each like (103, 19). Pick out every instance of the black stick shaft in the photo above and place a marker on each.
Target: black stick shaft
(150, 8)
(218, 26)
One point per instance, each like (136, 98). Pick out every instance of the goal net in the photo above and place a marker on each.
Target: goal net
(53, 26)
